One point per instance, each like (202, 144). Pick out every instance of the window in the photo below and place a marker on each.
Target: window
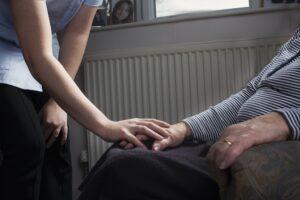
(174, 7)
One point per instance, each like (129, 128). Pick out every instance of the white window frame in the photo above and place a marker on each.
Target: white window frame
(145, 10)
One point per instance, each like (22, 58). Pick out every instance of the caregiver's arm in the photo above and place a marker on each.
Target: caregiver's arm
(72, 41)
(34, 33)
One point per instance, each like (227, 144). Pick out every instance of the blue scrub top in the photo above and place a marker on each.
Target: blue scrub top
(13, 69)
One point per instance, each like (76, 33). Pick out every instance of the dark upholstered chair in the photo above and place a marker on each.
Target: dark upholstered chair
(266, 172)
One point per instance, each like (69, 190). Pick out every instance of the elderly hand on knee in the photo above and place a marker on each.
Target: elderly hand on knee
(177, 134)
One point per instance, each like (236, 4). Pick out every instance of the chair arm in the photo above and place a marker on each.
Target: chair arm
(266, 172)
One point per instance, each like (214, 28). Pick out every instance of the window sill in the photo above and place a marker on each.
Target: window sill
(200, 15)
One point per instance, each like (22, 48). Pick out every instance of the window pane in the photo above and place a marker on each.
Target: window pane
(174, 7)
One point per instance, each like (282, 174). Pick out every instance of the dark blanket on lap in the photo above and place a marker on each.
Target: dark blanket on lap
(177, 173)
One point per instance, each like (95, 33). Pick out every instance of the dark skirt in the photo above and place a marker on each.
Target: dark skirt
(28, 170)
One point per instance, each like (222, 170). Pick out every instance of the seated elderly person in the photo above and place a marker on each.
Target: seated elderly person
(267, 110)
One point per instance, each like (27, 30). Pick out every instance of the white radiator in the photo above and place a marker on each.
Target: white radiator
(170, 83)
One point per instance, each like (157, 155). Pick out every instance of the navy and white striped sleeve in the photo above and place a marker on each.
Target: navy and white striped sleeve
(292, 117)
(207, 125)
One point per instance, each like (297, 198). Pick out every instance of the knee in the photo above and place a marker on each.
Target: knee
(122, 173)
(124, 164)
(119, 157)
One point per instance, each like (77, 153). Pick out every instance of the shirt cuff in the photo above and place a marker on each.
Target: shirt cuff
(206, 126)
(196, 130)
(292, 117)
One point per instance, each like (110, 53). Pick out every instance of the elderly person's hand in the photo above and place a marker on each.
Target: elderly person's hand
(178, 133)
(238, 138)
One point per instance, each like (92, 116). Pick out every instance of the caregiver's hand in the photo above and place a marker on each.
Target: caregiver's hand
(176, 134)
(54, 123)
(126, 130)
(238, 138)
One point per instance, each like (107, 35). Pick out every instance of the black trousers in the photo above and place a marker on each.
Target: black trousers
(29, 171)
(175, 174)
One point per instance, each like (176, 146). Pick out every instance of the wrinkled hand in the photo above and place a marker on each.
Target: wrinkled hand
(177, 133)
(238, 138)
(54, 122)
(130, 130)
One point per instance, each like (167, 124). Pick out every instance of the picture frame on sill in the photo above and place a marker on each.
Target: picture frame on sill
(122, 11)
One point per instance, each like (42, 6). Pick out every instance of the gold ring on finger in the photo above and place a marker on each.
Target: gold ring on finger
(226, 141)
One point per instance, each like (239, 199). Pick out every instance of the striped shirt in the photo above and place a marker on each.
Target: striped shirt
(275, 89)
